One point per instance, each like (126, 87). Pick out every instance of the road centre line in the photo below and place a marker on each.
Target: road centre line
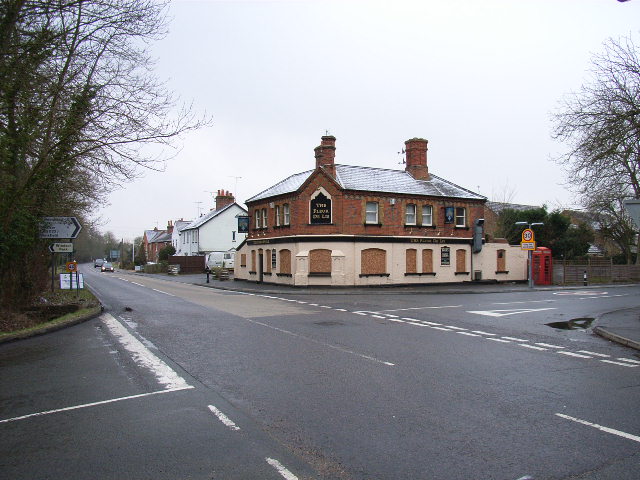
(548, 345)
(514, 339)
(223, 418)
(94, 404)
(594, 353)
(422, 308)
(484, 333)
(469, 334)
(139, 284)
(286, 474)
(630, 360)
(571, 354)
(619, 433)
(499, 340)
(519, 303)
(160, 291)
(624, 364)
(533, 347)
(328, 345)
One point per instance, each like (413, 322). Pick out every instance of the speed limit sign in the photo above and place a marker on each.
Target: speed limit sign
(527, 235)
(72, 267)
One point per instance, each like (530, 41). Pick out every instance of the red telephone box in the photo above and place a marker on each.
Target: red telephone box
(542, 266)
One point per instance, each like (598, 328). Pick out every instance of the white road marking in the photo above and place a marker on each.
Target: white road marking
(435, 324)
(571, 354)
(468, 334)
(380, 316)
(594, 353)
(139, 284)
(340, 310)
(533, 347)
(519, 303)
(93, 404)
(441, 328)
(499, 340)
(286, 474)
(619, 433)
(223, 418)
(630, 360)
(455, 328)
(505, 313)
(324, 306)
(160, 291)
(515, 339)
(391, 316)
(624, 364)
(422, 308)
(484, 333)
(328, 345)
(142, 355)
(548, 345)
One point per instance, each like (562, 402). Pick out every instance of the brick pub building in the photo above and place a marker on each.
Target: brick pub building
(351, 225)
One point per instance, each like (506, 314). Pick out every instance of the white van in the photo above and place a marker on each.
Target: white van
(220, 259)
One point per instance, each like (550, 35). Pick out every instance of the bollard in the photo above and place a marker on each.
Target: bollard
(207, 276)
(584, 278)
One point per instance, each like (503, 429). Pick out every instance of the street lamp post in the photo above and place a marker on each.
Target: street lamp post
(529, 256)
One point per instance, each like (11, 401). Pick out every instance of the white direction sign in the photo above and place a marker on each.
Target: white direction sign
(633, 209)
(59, 227)
(61, 248)
(504, 313)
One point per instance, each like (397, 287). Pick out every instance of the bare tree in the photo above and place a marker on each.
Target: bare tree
(79, 109)
(601, 126)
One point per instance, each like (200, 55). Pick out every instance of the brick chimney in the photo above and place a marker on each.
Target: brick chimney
(326, 154)
(223, 199)
(416, 155)
(170, 226)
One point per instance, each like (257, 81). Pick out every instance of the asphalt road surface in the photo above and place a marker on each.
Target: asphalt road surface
(176, 381)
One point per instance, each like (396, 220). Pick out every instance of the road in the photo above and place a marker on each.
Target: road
(181, 381)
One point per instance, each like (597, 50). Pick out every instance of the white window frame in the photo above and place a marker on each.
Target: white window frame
(428, 215)
(410, 216)
(369, 212)
(264, 218)
(277, 215)
(258, 218)
(286, 214)
(462, 217)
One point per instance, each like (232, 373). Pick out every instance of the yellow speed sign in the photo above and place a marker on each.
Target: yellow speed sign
(72, 267)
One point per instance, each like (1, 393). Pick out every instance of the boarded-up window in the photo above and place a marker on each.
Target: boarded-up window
(427, 260)
(411, 260)
(285, 261)
(461, 261)
(243, 259)
(268, 260)
(253, 260)
(320, 261)
(374, 261)
(502, 261)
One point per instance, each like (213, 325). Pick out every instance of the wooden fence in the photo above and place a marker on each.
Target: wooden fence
(597, 270)
(193, 264)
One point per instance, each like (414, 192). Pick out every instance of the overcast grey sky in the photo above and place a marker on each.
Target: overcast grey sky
(478, 79)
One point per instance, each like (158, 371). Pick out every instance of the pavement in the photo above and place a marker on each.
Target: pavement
(620, 326)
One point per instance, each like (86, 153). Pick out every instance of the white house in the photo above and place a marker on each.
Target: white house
(217, 231)
(178, 226)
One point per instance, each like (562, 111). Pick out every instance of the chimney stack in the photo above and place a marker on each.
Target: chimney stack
(416, 158)
(326, 154)
(223, 199)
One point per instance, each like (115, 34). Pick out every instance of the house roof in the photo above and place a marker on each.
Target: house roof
(152, 234)
(209, 216)
(180, 225)
(498, 207)
(375, 180)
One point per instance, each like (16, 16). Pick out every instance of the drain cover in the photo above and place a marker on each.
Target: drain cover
(575, 324)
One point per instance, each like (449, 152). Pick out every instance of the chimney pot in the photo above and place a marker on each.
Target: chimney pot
(325, 154)
(416, 158)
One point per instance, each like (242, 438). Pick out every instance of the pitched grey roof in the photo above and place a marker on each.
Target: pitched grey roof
(498, 207)
(162, 236)
(375, 180)
(212, 214)
(152, 234)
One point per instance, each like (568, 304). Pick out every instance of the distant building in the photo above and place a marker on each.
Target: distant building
(154, 240)
(352, 225)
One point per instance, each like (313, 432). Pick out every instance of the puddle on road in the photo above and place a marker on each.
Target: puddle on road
(575, 324)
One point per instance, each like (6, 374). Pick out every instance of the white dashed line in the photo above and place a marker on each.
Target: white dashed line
(442, 328)
(468, 334)
(619, 433)
(139, 284)
(571, 354)
(630, 360)
(514, 339)
(484, 333)
(455, 328)
(619, 363)
(548, 345)
(533, 347)
(594, 353)
(223, 418)
(499, 340)
(160, 291)
(286, 474)
(380, 316)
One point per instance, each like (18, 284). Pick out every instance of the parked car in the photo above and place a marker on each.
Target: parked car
(106, 267)
(98, 262)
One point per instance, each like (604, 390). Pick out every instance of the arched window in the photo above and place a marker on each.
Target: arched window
(373, 261)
